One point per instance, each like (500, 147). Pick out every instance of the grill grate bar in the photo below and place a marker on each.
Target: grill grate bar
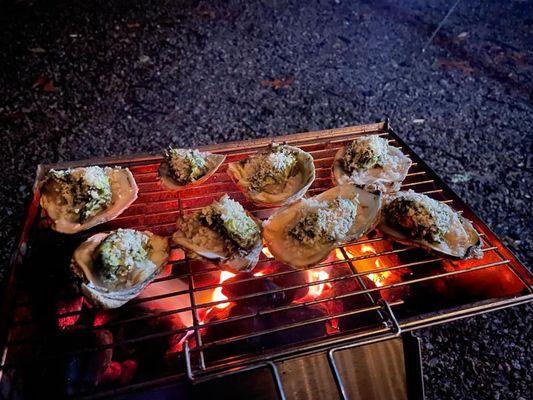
(285, 327)
(270, 275)
(196, 307)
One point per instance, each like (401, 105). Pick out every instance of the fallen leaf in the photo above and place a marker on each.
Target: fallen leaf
(277, 84)
(46, 84)
(49, 86)
(448, 65)
(462, 35)
(39, 81)
(208, 13)
(37, 50)
(12, 116)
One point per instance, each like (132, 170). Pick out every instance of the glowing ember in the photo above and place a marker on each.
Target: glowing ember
(314, 276)
(267, 252)
(217, 294)
(366, 248)
(379, 279)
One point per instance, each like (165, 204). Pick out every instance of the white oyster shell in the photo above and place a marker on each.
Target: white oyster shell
(124, 192)
(213, 161)
(285, 249)
(97, 292)
(294, 189)
(460, 241)
(386, 179)
(213, 249)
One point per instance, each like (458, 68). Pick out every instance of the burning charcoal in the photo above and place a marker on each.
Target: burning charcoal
(148, 353)
(67, 304)
(266, 283)
(291, 280)
(79, 371)
(231, 329)
(118, 372)
(350, 303)
(111, 374)
(302, 333)
(255, 285)
(129, 368)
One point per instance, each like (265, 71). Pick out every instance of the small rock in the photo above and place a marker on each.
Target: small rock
(144, 59)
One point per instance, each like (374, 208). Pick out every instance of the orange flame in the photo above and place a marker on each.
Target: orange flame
(378, 278)
(217, 293)
(316, 290)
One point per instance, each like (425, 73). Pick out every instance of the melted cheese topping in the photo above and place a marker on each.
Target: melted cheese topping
(324, 221)
(270, 171)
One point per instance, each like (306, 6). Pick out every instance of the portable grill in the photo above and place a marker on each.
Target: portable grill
(336, 330)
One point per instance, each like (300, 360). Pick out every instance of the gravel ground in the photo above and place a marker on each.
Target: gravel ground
(81, 79)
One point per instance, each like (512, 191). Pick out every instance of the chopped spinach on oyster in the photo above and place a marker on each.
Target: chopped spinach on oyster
(86, 191)
(365, 153)
(121, 254)
(116, 266)
(77, 199)
(278, 175)
(372, 163)
(418, 217)
(185, 165)
(305, 232)
(223, 232)
(228, 217)
(271, 170)
(182, 168)
(325, 221)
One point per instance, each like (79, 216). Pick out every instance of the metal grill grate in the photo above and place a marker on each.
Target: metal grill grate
(366, 295)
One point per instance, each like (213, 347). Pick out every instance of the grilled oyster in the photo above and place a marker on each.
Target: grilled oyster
(417, 219)
(371, 162)
(223, 232)
(186, 167)
(278, 175)
(304, 233)
(116, 266)
(77, 199)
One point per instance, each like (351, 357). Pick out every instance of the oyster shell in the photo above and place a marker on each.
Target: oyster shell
(217, 245)
(105, 295)
(123, 191)
(300, 178)
(456, 236)
(289, 250)
(386, 178)
(213, 162)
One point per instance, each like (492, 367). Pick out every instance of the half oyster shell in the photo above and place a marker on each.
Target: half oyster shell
(213, 162)
(123, 191)
(449, 233)
(104, 295)
(287, 249)
(299, 179)
(387, 178)
(216, 245)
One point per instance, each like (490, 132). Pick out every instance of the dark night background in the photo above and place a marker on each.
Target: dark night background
(90, 78)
